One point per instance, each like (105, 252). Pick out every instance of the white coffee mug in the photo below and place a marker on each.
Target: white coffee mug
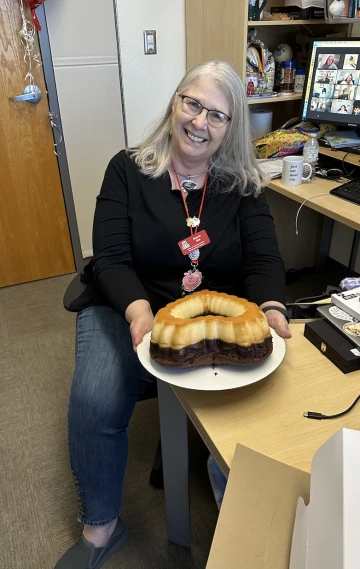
(292, 171)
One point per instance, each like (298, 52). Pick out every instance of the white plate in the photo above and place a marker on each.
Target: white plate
(209, 378)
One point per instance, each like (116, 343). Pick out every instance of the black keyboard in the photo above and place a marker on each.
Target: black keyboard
(349, 191)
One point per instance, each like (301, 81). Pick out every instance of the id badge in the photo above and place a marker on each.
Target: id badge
(193, 242)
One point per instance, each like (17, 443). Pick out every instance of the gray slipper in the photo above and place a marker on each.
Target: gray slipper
(84, 555)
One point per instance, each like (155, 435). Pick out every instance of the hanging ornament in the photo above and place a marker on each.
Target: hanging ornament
(188, 185)
(192, 221)
(191, 280)
(194, 255)
(28, 39)
(33, 5)
(337, 7)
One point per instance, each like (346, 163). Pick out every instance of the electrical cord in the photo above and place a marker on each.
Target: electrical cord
(303, 203)
(349, 174)
(343, 166)
(320, 416)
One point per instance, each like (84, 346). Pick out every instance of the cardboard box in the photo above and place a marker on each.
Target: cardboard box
(256, 519)
(326, 532)
(261, 527)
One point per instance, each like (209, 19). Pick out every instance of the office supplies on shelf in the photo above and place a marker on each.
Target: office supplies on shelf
(272, 167)
(263, 96)
(349, 191)
(261, 122)
(342, 138)
(255, 8)
(304, 4)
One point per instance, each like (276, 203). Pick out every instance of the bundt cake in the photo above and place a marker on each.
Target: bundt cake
(210, 328)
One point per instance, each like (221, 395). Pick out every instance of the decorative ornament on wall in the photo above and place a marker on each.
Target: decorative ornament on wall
(33, 5)
(28, 39)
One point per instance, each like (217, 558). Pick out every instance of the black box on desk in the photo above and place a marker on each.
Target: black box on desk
(333, 345)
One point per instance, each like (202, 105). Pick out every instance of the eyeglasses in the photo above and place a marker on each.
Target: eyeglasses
(193, 108)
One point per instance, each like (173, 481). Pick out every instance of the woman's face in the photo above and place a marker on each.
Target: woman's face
(330, 60)
(343, 108)
(193, 139)
(349, 79)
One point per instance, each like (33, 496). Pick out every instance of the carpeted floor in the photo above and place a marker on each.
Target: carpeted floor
(38, 505)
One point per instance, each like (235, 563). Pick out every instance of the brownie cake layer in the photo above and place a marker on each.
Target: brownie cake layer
(212, 352)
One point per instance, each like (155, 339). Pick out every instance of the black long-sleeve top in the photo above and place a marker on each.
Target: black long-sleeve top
(139, 222)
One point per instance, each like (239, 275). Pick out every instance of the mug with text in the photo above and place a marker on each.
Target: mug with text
(292, 171)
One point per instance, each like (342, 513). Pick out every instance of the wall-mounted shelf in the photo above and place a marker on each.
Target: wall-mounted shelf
(255, 23)
(260, 100)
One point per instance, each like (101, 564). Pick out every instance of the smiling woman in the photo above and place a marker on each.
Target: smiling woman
(224, 146)
(183, 211)
(196, 136)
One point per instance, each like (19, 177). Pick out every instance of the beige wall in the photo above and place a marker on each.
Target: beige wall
(149, 80)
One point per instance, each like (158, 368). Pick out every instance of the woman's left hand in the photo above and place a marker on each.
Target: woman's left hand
(278, 321)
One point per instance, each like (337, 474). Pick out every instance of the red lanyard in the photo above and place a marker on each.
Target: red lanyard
(184, 200)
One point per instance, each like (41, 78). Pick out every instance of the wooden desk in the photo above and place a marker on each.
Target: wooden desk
(266, 416)
(349, 158)
(331, 206)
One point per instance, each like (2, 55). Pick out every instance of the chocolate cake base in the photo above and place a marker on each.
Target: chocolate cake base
(212, 352)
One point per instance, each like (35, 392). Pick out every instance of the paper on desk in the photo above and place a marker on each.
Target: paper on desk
(271, 166)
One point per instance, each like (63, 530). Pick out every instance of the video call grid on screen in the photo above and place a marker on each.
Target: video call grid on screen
(332, 91)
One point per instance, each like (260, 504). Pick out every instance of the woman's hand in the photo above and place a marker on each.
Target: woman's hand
(277, 320)
(140, 317)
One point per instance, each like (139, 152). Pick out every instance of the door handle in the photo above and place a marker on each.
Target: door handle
(32, 94)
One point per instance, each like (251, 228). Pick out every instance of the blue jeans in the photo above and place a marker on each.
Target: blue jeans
(107, 382)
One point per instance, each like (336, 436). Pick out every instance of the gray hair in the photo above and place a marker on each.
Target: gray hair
(233, 164)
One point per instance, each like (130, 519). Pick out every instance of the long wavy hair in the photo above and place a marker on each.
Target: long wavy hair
(233, 165)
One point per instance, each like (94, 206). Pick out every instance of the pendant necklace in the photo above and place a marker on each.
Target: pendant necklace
(192, 279)
(188, 185)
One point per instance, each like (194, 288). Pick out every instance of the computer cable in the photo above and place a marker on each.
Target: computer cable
(303, 203)
(350, 174)
(320, 416)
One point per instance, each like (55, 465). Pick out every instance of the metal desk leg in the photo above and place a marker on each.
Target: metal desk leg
(353, 253)
(327, 231)
(174, 446)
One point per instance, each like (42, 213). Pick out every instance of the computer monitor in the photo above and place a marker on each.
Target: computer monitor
(332, 84)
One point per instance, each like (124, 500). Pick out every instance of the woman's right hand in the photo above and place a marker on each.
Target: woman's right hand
(140, 317)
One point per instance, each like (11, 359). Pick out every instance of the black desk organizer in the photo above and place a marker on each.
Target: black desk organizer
(333, 345)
